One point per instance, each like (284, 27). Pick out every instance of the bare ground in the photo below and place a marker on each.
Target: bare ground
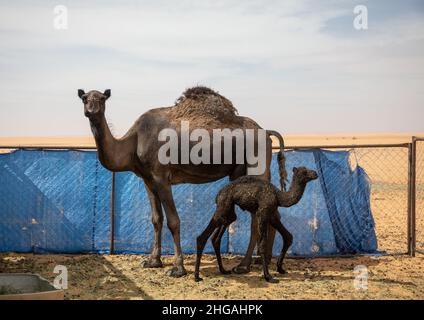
(122, 277)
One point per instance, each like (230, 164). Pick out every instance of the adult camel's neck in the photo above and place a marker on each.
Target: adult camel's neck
(114, 154)
(293, 196)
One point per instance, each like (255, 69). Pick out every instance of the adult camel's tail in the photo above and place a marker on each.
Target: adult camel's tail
(281, 158)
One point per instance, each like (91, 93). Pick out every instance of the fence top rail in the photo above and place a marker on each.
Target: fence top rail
(49, 147)
(417, 138)
(348, 146)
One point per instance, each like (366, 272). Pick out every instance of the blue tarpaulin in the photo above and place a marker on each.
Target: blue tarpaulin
(59, 201)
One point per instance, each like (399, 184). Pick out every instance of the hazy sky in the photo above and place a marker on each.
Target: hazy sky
(294, 66)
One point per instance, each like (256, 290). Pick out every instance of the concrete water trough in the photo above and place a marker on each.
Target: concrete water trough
(23, 286)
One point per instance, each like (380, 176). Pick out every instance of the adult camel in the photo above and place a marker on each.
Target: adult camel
(137, 151)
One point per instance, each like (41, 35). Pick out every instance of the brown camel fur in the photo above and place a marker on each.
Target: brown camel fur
(137, 151)
(261, 198)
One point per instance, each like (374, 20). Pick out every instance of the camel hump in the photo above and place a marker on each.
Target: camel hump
(200, 102)
(201, 93)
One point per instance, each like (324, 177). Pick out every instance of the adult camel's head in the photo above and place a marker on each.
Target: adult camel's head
(94, 102)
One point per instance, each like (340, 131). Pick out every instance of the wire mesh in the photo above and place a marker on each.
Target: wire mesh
(387, 170)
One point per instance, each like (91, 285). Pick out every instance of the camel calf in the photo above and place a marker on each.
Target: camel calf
(262, 199)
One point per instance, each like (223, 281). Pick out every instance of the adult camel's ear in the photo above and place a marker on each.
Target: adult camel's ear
(80, 93)
(107, 93)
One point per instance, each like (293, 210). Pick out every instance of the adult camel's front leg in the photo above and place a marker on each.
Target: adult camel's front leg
(157, 220)
(173, 222)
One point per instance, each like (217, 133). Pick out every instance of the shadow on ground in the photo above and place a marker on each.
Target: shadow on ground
(89, 275)
(313, 269)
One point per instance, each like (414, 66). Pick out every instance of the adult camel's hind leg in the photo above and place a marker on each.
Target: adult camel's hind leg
(157, 220)
(173, 222)
(244, 265)
(271, 230)
(287, 240)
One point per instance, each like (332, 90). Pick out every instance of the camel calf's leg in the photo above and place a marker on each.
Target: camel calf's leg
(216, 242)
(228, 215)
(263, 223)
(270, 244)
(157, 220)
(287, 241)
(201, 242)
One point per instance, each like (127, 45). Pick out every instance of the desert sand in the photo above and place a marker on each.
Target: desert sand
(122, 277)
(290, 140)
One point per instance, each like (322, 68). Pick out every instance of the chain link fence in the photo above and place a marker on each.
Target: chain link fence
(386, 169)
(393, 198)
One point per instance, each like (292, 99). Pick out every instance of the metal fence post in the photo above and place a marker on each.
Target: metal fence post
(112, 216)
(413, 195)
(408, 233)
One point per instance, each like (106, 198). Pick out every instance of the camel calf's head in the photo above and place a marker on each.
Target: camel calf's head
(304, 174)
(94, 102)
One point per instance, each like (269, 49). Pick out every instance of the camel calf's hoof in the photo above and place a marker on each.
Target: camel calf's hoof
(152, 264)
(271, 279)
(223, 271)
(241, 270)
(177, 272)
(197, 279)
(258, 261)
(281, 270)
